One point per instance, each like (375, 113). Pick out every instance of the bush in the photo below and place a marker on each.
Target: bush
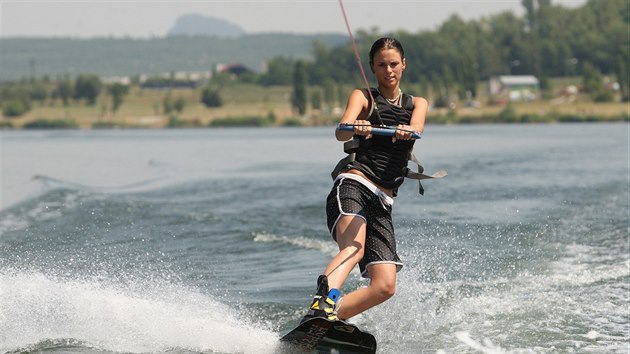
(244, 121)
(469, 119)
(508, 115)
(603, 96)
(105, 125)
(533, 118)
(293, 122)
(576, 118)
(174, 122)
(211, 98)
(51, 124)
(179, 104)
(6, 124)
(15, 107)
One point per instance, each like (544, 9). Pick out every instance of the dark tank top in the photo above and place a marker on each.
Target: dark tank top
(382, 161)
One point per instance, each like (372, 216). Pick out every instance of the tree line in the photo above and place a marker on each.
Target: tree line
(548, 41)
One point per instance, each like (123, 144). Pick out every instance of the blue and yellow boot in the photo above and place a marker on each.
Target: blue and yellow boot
(324, 302)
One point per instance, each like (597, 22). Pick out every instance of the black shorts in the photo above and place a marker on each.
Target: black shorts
(351, 197)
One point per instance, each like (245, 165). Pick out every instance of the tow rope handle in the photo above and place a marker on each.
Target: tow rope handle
(386, 130)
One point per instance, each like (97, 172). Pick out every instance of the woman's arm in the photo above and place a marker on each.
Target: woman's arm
(419, 114)
(355, 113)
(416, 124)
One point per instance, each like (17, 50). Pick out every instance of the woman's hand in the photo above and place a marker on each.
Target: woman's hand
(363, 127)
(403, 132)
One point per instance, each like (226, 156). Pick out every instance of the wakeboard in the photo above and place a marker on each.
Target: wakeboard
(320, 335)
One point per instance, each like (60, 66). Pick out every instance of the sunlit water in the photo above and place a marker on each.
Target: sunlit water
(211, 240)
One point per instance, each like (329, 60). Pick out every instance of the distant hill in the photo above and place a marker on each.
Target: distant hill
(199, 25)
(126, 56)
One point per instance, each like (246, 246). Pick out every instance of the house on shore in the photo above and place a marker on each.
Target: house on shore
(514, 88)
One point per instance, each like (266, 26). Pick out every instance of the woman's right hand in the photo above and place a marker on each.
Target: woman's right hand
(363, 127)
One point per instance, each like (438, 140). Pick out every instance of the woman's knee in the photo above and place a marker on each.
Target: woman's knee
(385, 290)
(383, 285)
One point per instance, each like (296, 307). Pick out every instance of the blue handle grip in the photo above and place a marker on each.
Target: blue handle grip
(388, 131)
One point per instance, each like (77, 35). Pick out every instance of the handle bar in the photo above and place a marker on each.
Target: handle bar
(386, 131)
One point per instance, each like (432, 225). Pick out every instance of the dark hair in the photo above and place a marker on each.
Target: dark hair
(386, 43)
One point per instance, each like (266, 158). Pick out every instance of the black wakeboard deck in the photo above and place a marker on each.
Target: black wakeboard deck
(319, 335)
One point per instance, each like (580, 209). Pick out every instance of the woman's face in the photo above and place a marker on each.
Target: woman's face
(388, 67)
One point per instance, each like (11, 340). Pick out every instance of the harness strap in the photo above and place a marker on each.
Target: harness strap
(342, 164)
(420, 175)
(350, 145)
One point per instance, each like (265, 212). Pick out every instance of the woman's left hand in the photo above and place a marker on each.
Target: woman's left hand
(403, 132)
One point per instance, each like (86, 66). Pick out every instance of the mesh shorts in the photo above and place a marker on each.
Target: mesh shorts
(350, 197)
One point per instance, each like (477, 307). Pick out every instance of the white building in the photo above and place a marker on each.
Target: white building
(515, 88)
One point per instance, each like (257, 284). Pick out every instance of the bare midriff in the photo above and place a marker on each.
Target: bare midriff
(388, 191)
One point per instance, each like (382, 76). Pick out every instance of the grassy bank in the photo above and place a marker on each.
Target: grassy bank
(536, 112)
(251, 105)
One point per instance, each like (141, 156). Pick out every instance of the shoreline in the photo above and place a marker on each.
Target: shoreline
(52, 124)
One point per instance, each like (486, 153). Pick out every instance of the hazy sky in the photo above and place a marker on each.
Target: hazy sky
(143, 18)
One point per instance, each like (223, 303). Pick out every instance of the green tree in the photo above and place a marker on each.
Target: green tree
(440, 92)
(546, 87)
(342, 95)
(88, 87)
(623, 75)
(167, 103)
(316, 99)
(179, 104)
(530, 14)
(547, 41)
(467, 77)
(65, 90)
(298, 97)
(118, 92)
(279, 72)
(211, 97)
(448, 80)
(593, 84)
(38, 91)
(592, 78)
(502, 34)
(338, 64)
(329, 92)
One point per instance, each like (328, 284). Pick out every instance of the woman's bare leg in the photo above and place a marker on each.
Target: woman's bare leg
(382, 287)
(350, 231)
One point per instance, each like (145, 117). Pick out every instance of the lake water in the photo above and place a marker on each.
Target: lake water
(211, 240)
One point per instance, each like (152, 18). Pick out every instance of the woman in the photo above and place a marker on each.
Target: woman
(360, 204)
